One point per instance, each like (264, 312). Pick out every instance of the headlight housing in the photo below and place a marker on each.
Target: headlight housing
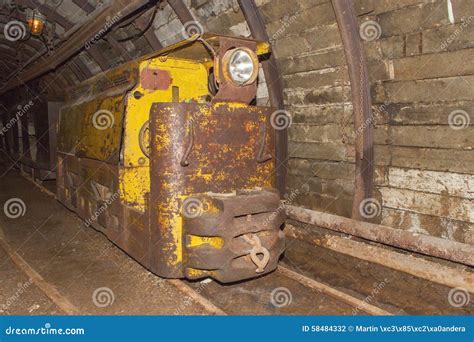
(241, 66)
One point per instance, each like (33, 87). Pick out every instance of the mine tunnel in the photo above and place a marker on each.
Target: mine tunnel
(236, 157)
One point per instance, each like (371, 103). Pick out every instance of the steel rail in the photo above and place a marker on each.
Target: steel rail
(332, 292)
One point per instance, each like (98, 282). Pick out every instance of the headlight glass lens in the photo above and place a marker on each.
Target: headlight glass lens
(241, 66)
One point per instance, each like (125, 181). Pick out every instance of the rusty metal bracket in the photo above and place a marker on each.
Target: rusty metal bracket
(144, 138)
(184, 160)
(261, 156)
(258, 249)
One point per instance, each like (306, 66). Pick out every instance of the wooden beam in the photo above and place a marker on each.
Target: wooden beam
(183, 13)
(49, 12)
(85, 5)
(98, 57)
(77, 71)
(142, 22)
(67, 25)
(82, 67)
(419, 243)
(119, 47)
(416, 266)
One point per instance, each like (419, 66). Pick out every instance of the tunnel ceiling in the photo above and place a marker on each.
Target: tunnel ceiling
(130, 36)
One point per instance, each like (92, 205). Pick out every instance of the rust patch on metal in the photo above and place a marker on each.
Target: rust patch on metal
(155, 79)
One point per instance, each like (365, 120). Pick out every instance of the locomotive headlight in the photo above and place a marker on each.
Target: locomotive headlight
(242, 65)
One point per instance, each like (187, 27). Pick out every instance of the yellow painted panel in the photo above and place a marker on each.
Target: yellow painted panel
(213, 241)
(134, 183)
(191, 78)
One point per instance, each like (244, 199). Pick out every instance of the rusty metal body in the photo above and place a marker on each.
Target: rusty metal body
(221, 180)
(180, 178)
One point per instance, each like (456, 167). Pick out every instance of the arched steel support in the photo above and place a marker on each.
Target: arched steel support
(183, 13)
(361, 101)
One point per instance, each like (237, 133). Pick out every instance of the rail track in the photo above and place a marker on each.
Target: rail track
(285, 291)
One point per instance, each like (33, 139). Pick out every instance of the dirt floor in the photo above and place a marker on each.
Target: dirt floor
(76, 260)
(75, 269)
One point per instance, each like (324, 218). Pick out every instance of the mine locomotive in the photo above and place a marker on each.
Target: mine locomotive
(171, 158)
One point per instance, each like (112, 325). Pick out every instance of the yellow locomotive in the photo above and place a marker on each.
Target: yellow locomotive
(169, 158)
